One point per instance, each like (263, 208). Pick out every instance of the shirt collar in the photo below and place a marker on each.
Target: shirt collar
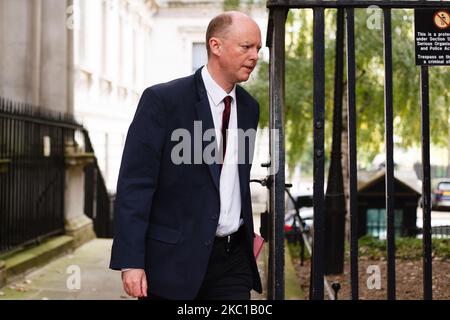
(215, 92)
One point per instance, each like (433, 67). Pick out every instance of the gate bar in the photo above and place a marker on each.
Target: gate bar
(352, 159)
(426, 189)
(389, 136)
(3, 155)
(407, 4)
(277, 153)
(318, 261)
(269, 41)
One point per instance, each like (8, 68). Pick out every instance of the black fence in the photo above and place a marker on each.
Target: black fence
(276, 35)
(98, 204)
(441, 231)
(32, 177)
(436, 172)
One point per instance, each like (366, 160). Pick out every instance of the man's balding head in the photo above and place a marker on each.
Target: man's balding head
(233, 41)
(220, 25)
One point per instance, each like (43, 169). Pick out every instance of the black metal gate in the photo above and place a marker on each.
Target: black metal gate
(32, 177)
(276, 43)
(98, 203)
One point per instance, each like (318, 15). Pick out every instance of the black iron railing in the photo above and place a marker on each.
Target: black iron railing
(276, 43)
(98, 204)
(32, 174)
(441, 231)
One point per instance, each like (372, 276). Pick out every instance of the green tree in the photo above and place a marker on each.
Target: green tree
(241, 5)
(231, 5)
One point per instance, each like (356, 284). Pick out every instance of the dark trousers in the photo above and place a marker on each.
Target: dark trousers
(229, 274)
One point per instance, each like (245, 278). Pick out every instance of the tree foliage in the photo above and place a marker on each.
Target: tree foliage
(231, 5)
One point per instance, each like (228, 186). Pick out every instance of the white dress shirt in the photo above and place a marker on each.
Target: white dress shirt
(230, 192)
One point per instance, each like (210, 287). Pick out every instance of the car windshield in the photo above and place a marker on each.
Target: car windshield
(444, 186)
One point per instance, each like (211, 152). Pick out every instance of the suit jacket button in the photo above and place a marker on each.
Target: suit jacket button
(214, 217)
(208, 242)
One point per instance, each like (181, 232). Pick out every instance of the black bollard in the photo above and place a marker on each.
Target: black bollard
(336, 287)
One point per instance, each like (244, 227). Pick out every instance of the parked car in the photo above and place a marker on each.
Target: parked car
(440, 195)
(306, 213)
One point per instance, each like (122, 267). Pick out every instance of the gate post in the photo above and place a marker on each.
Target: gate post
(77, 224)
(318, 256)
(276, 37)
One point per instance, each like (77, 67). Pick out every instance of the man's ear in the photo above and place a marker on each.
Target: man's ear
(215, 46)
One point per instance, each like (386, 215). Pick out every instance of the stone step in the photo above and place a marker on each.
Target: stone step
(27, 260)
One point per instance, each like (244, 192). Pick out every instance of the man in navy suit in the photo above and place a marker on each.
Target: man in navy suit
(183, 217)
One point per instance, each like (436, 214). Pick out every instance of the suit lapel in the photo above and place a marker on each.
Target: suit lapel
(204, 115)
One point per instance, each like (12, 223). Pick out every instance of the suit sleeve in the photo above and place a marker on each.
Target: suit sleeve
(137, 182)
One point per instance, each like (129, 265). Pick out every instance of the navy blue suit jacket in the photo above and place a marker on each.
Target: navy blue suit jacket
(166, 215)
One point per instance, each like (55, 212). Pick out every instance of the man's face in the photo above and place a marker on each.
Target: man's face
(239, 51)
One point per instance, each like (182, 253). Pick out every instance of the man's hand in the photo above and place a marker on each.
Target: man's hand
(135, 282)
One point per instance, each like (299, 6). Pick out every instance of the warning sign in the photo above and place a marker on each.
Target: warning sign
(442, 19)
(432, 36)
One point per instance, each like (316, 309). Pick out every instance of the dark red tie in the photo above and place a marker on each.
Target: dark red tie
(225, 121)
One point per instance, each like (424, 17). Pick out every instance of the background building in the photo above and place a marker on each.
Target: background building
(42, 181)
(36, 53)
(112, 68)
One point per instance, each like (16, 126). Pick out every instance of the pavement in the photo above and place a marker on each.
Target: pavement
(84, 275)
(81, 275)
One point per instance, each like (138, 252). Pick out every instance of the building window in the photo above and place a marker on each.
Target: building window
(82, 31)
(121, 48)
(105, 36)
(135, 58)
(199, 56)
(377, 224)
